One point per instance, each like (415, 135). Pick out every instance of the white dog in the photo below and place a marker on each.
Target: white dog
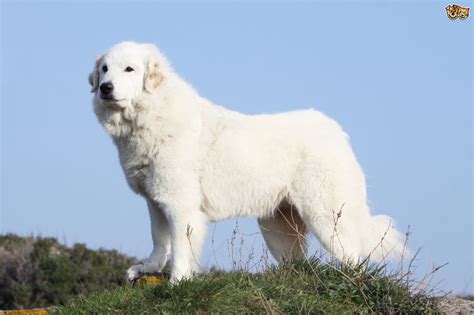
(195, 162)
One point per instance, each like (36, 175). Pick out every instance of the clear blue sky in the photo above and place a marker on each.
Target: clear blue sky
(397, 76)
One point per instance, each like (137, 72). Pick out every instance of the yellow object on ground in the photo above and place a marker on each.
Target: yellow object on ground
(149, 280)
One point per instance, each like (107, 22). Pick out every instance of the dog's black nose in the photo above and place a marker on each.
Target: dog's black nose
(106, 88)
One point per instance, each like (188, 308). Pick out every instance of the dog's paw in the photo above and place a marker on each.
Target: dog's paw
(134, 272)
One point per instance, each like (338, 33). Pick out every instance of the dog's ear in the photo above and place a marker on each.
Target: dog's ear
(153, 76)
(94, 75)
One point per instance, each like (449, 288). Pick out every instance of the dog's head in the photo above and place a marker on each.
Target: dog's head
(121, 77)
(125, 72)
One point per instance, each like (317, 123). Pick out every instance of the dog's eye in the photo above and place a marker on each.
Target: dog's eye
(129, 69)
(104, 68)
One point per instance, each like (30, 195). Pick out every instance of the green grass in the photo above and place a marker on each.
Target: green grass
(297, 288)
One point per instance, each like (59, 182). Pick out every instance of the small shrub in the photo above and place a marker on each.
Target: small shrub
(39, 272)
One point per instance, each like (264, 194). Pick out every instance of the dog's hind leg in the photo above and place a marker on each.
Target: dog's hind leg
(333, 204)
(284, 233)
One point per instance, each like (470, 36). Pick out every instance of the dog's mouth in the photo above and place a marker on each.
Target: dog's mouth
(111, 102)
(108, 98)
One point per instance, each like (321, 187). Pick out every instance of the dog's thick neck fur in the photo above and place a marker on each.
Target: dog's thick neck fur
(150, 109)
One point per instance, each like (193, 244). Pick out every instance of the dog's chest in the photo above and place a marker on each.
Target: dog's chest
(136, 157)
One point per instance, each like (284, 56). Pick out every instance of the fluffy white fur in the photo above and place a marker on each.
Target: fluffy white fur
(195, 162)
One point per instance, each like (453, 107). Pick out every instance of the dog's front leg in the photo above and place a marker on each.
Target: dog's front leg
(178, 194)
(160, 233)
(188, 231)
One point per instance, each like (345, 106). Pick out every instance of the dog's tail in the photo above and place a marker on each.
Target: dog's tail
(366, 236)
(383, 240)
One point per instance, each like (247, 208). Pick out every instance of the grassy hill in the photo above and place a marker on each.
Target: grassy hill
(41, 272)
(299, 288)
